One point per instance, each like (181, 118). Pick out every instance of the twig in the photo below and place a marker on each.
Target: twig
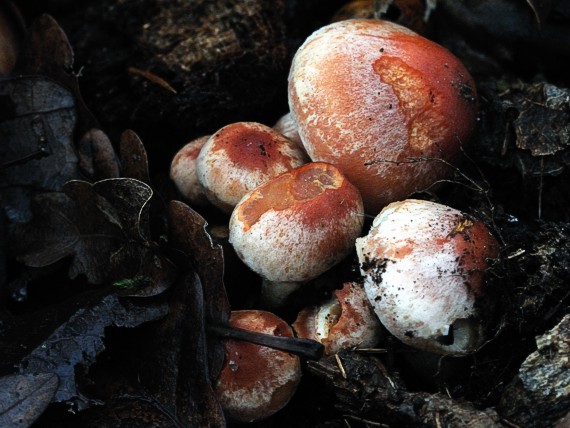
(365, 421)
(309, 349)
(540, 187)
(340, 366)
(371, 350)
(509, 423)
(152, 78)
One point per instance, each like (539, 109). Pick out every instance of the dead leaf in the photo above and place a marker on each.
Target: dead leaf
(23, 398)
(133, 157)
(79, 340)
(128, 408)
(47, 52)
(61, 228)
(130, 198)
(189, 236)
(543, 122)
(37, 121)
(97, 157)
(103, 227)
(175, 370)
(530, 124)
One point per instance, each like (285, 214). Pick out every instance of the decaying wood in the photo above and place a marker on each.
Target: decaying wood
(199, 64)
(365, 390)
(540, 394)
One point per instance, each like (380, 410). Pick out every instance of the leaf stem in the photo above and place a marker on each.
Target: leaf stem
(307, 348)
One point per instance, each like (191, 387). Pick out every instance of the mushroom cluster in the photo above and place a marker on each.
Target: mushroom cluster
(391, 109)
(224, 166)
(377, 113)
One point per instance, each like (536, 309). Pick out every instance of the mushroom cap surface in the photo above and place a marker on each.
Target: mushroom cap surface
(257, 381)
(387, 106)
(346, 320)
(241, 156)
(423, 265)
(299, 224)
(184, 174)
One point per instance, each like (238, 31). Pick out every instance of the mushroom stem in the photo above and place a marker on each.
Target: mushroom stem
(275, 294)
(306, 348)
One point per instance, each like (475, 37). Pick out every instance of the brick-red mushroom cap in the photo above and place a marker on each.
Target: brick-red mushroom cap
(424, 265)
(256, 381)
(299, 224)
(381, 102)
(241, 156)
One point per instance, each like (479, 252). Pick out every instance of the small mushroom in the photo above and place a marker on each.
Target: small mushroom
(256, 381)
(286, 125)
(241, 156)
(184, 174)
(424, 266)
(344, 321)
(297, 225)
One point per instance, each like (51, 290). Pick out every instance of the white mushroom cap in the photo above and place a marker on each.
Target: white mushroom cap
(346, 320)
(257, 381)
(287, 126)
(297, 225)
(241, 156)
(423, 265)
(184, 175)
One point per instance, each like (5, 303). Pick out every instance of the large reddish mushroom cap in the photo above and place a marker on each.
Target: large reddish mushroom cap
(424, 266)
(257, 381)
(299, 224)
(381, 102)
(241, 156)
